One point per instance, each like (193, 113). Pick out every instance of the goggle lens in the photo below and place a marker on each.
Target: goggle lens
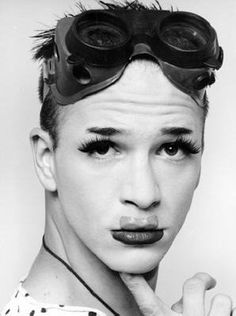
(103, 35)
(184, 37)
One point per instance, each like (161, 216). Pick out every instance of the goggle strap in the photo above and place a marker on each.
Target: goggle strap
(48, 69)
(65, 100)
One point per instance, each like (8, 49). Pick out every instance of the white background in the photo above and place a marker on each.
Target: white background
(208, 240)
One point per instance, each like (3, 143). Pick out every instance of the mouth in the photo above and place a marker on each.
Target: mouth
(138, 231)
(138, 237)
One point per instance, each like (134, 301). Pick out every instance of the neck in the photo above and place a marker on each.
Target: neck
(63, 287)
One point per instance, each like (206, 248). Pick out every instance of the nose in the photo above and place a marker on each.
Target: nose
(140, 187)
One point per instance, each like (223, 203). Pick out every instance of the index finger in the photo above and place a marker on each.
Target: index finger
(149, 303)
(194, 293)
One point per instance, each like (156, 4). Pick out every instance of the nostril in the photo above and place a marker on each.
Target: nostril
(154, 204)
(130, 202)
(143, 206)
(149, 207)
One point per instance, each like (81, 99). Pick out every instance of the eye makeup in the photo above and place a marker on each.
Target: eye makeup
(187, 146)
(100, 145)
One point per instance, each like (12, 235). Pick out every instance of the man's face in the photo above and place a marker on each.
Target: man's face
(129, 158)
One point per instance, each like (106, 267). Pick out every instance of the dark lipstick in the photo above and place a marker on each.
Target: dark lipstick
(138, 231)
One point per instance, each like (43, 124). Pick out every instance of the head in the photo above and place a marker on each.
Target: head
(125, 158)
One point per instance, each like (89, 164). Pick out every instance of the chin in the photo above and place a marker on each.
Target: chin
(136, 261)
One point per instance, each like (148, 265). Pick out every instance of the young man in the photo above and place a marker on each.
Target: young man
(118, 152)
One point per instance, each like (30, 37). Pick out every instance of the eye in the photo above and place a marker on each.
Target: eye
(171, 149)
(99, 148)
(178, 149)
(102, 148)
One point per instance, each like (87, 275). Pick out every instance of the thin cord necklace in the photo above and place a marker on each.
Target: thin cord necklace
(79, 278)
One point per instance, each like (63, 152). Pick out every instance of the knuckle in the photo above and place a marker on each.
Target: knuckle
(202, 275)
(223, 300)
(193, 284)
(206, 278)
(149, 310)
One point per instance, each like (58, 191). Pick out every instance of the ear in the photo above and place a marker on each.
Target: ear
(43, 154)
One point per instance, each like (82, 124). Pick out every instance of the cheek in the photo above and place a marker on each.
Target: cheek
(177, 192)
(84, 196)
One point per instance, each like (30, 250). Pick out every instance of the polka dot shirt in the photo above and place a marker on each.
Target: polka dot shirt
(22, 304)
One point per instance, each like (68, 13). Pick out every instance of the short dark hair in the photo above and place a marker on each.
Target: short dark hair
(50, 110)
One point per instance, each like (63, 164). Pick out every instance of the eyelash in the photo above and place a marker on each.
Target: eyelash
(187, 146)
(92, 145)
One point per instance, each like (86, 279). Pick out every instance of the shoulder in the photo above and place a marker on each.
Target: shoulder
(22, 304)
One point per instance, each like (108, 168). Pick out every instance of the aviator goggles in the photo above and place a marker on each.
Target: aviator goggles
(93, 48)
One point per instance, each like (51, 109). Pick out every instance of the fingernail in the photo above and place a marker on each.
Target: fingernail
(126, 276)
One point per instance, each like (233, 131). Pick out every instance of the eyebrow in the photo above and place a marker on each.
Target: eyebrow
(111, 131)
(105, 131)
(176, 131)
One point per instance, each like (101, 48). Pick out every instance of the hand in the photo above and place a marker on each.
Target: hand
(191, 304)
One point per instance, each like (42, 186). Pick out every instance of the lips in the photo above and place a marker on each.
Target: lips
(137, 237)
(132, 223)
(138, 231)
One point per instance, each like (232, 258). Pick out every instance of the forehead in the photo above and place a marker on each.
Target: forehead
(142, 97)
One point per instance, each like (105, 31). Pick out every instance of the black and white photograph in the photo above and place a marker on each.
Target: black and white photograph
(118, 158)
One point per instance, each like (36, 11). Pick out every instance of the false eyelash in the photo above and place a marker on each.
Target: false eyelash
(187, 146)
(91, 145)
